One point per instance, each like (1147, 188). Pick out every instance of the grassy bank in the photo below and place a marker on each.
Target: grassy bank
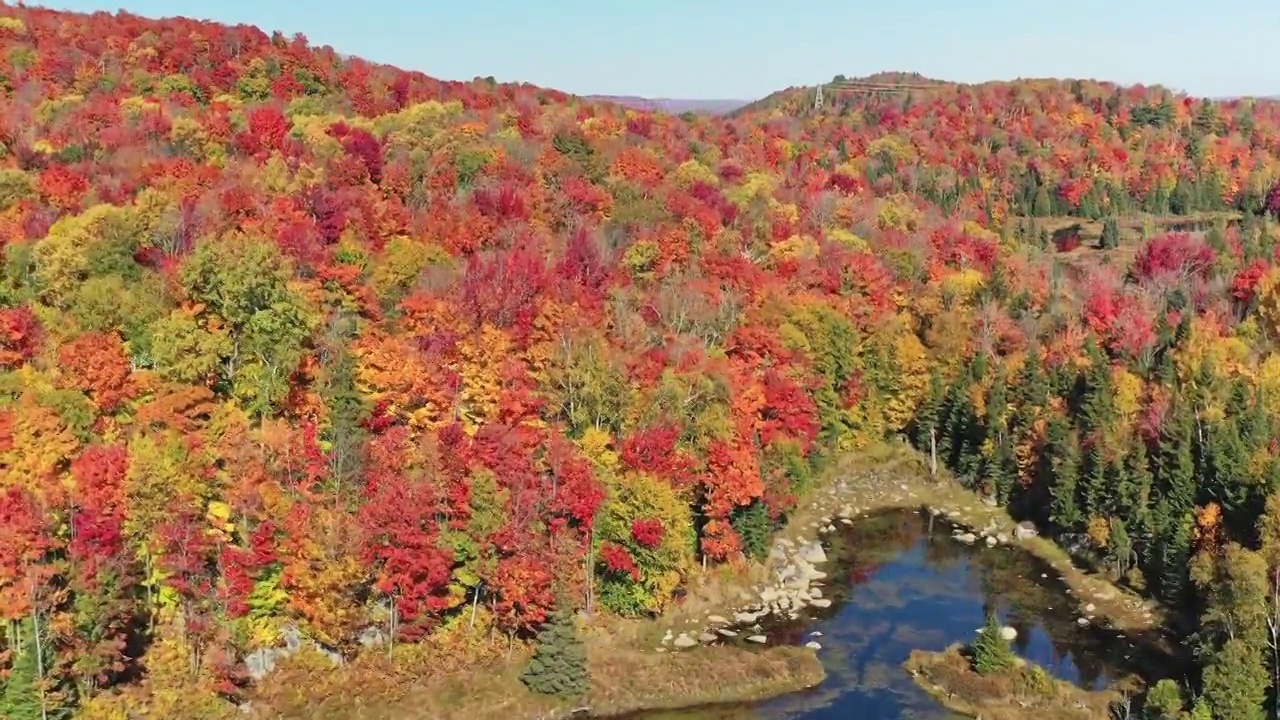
(624, 679)
(1023, 692)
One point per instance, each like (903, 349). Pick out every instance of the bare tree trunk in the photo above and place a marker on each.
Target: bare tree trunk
(35, 632)
(933, 453)
(591, 569)
(1273, 625)
(475, 600)
(391, 627)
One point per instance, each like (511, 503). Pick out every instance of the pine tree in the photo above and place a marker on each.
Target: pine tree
(559, 665)
(991, 652)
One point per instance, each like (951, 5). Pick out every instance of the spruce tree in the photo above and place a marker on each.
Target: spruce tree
(559, 665)
(1064, 506)
(991, 652)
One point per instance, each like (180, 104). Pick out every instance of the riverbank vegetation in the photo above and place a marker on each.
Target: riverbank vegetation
(303, 355)
(1015, 691)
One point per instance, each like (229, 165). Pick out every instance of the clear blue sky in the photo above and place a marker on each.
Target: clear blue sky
(747, 48)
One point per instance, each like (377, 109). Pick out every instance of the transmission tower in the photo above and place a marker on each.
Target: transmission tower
(817, 99)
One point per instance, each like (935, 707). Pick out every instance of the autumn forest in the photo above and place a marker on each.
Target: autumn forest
(297, 343)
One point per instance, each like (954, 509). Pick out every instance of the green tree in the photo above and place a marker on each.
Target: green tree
(245, 282)
(1110, 234)
(991, 652)
(1041, 206)
(1064, 508)
(1234, 631)
(343, 431)
(1164, 701)
(559, 665)
(1269, 536)
(1235, 682)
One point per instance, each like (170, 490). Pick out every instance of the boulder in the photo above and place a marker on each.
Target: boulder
(758, 639)
(991, 542)
(1025, 530)
(684, 641)
(1008, 633)
(813, 553)
(820, 602)
(813, 645)
(967, 538)
(717, 620)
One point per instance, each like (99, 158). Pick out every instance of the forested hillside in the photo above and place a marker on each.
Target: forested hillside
(290, 342)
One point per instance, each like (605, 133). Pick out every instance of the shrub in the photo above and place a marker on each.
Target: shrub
(1164, 701)
(1034, 681)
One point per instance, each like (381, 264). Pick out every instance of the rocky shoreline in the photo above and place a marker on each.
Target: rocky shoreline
(790, 580)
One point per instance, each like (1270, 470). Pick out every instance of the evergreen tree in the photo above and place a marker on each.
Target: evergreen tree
(991, 652)
(1064, 509)
(1176, 471)
(1000, 469)
(559, 665)
(1042, 206)
(1174, 557)
(927, 415)
(343, 432)
(1137, 503)
(1110, 234)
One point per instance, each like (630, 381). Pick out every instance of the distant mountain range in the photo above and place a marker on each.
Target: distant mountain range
(672, 105)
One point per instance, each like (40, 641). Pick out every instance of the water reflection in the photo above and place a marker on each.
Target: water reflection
(899, 582)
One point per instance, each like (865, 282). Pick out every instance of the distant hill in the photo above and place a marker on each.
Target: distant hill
(672, 105)
(790, 99)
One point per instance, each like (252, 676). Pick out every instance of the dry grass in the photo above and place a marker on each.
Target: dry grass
(626, 676)
(627, 680)
(948, 678)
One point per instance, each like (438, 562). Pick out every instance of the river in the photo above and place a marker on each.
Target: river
(899, 582)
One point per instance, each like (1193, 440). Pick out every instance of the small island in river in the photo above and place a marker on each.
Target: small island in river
(1020, 691)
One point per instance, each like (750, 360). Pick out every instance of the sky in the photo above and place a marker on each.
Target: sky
(745, 49)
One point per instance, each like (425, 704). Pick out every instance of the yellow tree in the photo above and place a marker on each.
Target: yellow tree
(482, 356)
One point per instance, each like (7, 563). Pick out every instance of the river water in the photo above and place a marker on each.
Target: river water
(899, 582)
